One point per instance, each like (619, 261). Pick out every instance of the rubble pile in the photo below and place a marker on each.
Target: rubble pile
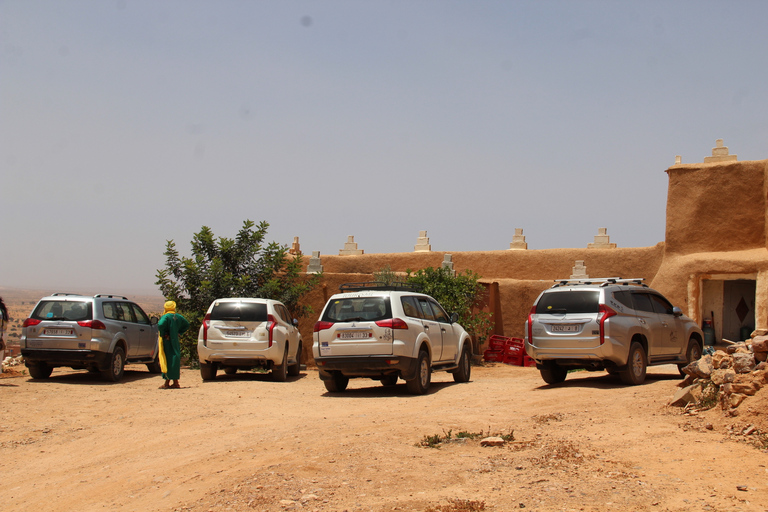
(10, 362)
(727, 377)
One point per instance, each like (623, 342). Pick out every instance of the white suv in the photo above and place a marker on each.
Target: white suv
(385, 333)
(613, 324)
(245, 333)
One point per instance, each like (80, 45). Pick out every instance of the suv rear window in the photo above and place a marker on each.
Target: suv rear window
(239, 311)
(358, 309)
(62, 310)
(577, 301)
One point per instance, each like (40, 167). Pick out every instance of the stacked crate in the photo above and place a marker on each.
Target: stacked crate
(505, 350)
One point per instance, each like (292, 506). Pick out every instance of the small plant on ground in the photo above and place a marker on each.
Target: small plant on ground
(458, 505)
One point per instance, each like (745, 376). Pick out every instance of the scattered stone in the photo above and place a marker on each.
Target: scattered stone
(701, 368)
(687, 395)
(743, 362)
(721, 360)
(721, 376)
(492, 441)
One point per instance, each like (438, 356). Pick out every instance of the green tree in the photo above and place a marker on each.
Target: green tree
(243, 266)
(457, 293)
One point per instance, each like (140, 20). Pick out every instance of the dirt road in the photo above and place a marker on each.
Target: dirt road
(246, 443)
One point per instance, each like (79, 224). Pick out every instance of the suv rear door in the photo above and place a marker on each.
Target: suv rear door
(568, 318)
(354, 331)
(238, 325)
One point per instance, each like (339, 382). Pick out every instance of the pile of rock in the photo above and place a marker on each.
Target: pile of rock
(9, 362)
(727, 376)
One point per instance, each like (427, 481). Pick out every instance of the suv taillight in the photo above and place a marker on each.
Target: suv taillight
(30, 322)
(93, 324)
(322, 325)
(603, 314)
(393, 323)
(271, 323)
(530, 325)
(206, 325)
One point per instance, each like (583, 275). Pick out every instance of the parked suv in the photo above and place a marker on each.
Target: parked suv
(245, 333)
(613, 324)
(100, 333)
(386, 333)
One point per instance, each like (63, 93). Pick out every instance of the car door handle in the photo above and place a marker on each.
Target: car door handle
(426, 327)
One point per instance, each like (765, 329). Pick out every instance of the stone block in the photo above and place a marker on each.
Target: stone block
(518, 240)
(701, 368)
(602, 240)
(722, 375)
(350, 248)
(422, 243)
(746, 386)
(735, 399)
(721, 360)
(687, 395)
(743, 363)
(314, 266)
(760, 344)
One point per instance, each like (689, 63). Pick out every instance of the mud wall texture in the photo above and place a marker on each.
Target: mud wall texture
(716, 207)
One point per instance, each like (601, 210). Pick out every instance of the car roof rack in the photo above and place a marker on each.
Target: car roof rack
(103, 295)
(57, 294)
(379, 286)
(602, 281)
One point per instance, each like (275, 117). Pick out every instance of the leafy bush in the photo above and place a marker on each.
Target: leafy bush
(458, 293)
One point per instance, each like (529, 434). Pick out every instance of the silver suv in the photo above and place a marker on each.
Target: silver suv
(613, 324)
(386, 333)
(100, 333)
(246, 333)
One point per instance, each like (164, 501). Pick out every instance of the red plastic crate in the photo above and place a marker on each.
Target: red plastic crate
(528, 361)
(493, 355)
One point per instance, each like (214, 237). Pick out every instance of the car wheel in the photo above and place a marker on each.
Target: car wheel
(116, 366)
(553, 373)
(39, 370)
(636, 365)
(295, 369)
(389, 380)
(337, 384)
(420, 383)
(280, 372)
(230, 370)
(692, 354)
(208, 371)
(465, 366)
(154, 366)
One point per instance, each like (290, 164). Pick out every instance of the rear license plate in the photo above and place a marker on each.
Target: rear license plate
(59, 332)
(237, 334)
(565, 328)
(353, 335)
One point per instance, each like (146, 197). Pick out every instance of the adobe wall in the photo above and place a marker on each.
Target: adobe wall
(716, 207)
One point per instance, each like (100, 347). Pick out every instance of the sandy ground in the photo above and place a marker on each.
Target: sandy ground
(242, 442)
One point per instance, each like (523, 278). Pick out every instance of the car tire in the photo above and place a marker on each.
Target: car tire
(337, 383)
(280, 372)
(693, 353)
(154, 366)
(230, 370)
(39, 371)
(464, 371)
(208, 371)
(295, 369)
(636, 365)
(553, 373)
(389, 380)
(114, 372)
(420, 383)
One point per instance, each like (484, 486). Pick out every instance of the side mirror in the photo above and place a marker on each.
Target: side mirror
(153, 320)
(454, 317)
(677, 311)
(295, 322)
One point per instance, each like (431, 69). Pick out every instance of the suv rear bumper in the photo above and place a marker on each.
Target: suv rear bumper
(371, 366)
(609, 354)
(71, 358)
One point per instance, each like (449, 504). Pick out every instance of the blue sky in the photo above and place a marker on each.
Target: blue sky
(125, 123)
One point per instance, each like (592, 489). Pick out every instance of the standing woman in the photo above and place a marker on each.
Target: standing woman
(171, 325)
